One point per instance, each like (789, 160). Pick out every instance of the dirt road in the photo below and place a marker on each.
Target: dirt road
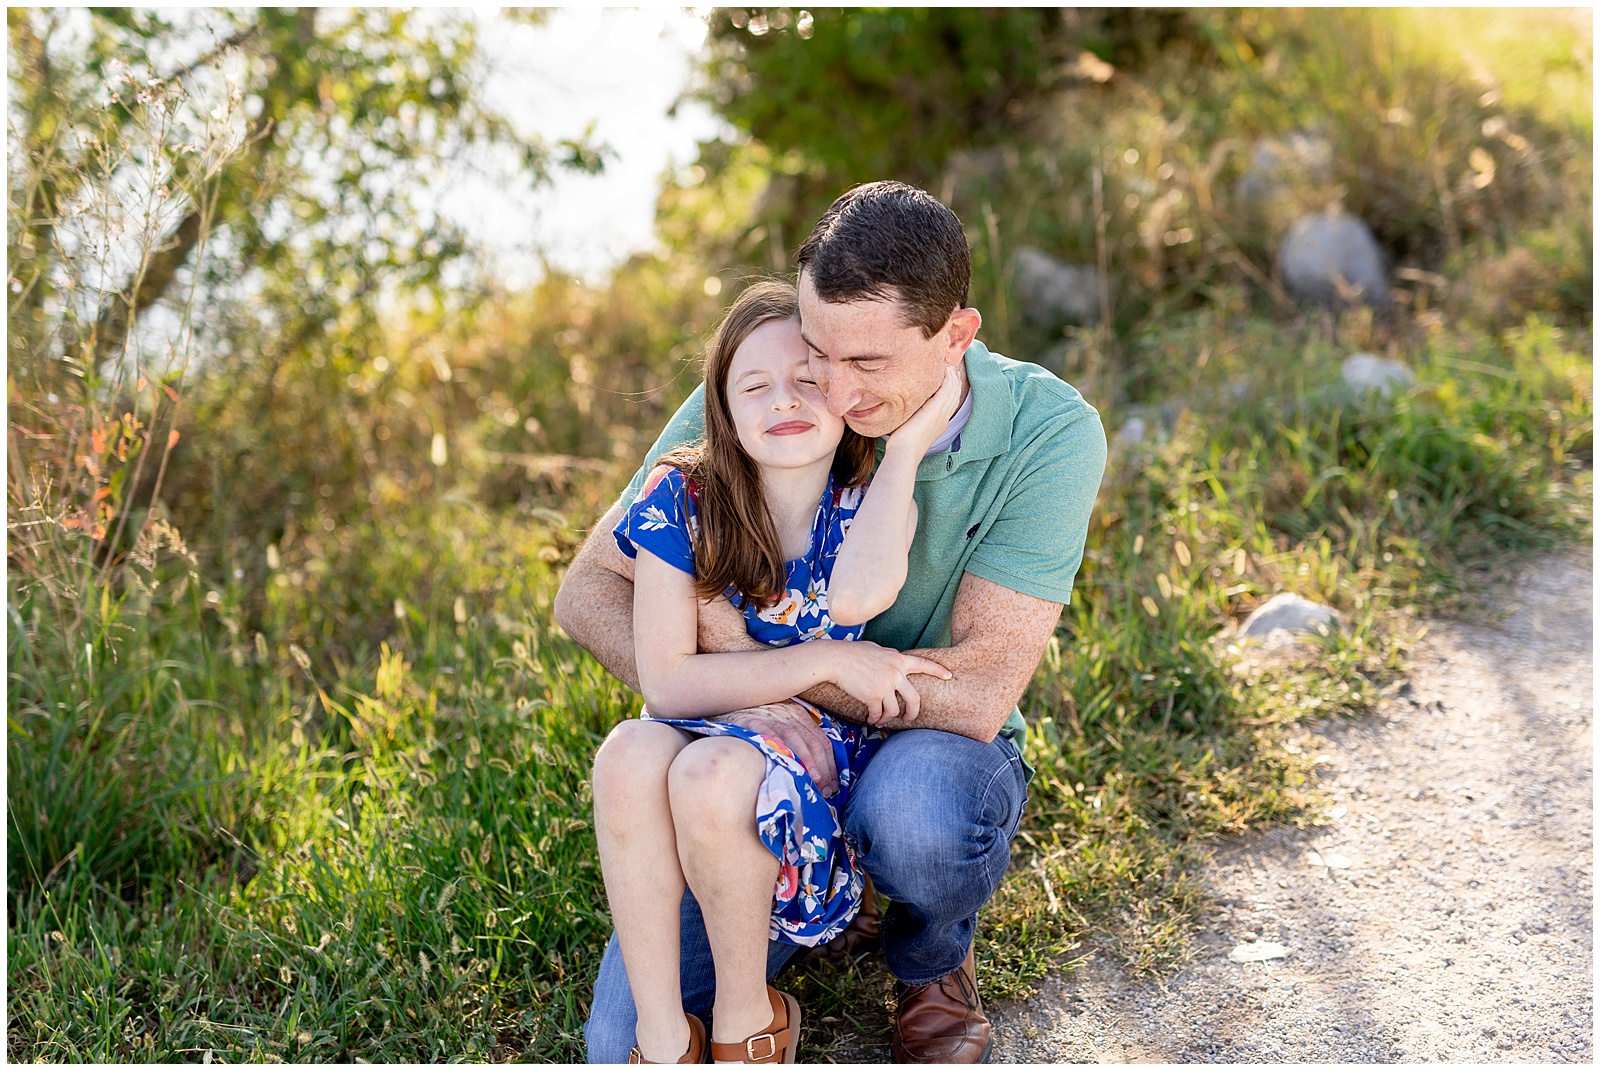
(1444, 914)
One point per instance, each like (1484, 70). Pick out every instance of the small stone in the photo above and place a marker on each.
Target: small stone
(1365, 372)
(1257, 952)
(1332, 860)
(1053, 292)
(1290, 613)
(1332, 259)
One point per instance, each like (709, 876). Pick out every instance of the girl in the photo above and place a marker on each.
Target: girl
(758, 513)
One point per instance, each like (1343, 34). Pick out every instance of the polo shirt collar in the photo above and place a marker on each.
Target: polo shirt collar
(988, 430)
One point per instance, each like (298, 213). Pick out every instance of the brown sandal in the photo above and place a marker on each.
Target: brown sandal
(697, 1045)
(774, 1045)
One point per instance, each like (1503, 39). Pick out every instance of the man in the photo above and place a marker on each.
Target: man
(1004, 499)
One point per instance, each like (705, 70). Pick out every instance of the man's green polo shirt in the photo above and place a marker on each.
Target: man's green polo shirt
(1009, 501)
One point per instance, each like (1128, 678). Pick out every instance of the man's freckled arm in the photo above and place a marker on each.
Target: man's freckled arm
(997, 638)
(595, 606)
(595, 602)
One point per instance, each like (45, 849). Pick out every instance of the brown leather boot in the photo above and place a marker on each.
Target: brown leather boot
(942, 1022)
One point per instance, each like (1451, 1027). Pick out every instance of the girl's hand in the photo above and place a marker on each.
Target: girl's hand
(923, 428)
(878, 677)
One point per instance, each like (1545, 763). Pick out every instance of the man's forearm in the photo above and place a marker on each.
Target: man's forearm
(965, 704)
(998, 636)
(595, 607)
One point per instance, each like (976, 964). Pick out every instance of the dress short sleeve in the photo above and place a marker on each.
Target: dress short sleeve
(661, 520)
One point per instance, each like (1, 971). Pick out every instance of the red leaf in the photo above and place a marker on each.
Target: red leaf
(172, 438)
(104, 492)
(170, 392)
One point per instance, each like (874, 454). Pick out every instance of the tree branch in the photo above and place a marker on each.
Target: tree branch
(111, 329)
(233, 42)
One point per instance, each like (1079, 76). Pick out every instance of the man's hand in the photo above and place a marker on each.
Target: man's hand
(794, 727)
(997, 637)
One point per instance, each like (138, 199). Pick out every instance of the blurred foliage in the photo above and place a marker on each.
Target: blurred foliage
(296, 754)
(1185, 123)
(299, 151)
(841, 96)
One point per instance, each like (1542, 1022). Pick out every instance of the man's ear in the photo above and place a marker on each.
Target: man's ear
(959, 333)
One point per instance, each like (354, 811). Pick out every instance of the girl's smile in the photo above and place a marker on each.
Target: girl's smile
(777, 408)
(791, 427)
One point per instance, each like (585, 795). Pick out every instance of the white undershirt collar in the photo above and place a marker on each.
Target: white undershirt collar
(952, 431)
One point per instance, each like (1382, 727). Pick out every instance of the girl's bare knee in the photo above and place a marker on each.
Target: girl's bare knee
(635, 757)
(712, 783)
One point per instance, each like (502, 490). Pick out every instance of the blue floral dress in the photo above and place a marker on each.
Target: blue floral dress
(819, 883)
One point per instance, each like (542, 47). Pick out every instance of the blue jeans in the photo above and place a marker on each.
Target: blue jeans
(933, 817)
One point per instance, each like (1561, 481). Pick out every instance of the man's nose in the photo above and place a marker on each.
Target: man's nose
(842, 395)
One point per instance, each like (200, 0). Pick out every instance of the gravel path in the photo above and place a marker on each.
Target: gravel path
(1444, 913)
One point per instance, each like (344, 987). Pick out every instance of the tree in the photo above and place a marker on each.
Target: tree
(854, 95)
(298, 148)
(342, 116)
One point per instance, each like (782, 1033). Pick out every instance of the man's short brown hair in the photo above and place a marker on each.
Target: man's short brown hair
(890, 241)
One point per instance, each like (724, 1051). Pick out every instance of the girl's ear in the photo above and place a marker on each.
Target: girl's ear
(959, 333)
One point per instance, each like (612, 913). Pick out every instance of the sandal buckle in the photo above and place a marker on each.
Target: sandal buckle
(772, 1047)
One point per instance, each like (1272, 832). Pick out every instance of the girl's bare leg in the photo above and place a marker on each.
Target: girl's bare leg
(712, 785)
(639, 860)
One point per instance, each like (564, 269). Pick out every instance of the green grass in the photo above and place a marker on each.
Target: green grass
(380, 848)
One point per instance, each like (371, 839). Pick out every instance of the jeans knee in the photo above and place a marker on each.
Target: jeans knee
(933, 822)
(607, 1041)
(609, 1031)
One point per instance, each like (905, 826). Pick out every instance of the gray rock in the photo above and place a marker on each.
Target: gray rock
(1257, 952)
(1332, 259)
(1132, 431)
(1281, 166)
(1053, 292)
(1365, 372)
(977, 171)
(1289, 613)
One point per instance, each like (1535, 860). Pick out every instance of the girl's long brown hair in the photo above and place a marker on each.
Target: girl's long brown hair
(737, 544)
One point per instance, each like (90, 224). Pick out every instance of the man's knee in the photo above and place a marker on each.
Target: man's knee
(933, 816)
(609, 1031)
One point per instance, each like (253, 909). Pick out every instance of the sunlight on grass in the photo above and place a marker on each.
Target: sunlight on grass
(1541, 59)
